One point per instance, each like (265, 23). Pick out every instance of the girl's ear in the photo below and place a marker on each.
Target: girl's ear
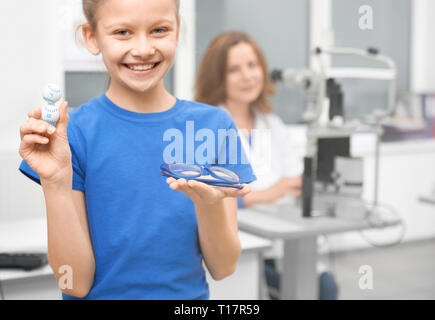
(90, 39)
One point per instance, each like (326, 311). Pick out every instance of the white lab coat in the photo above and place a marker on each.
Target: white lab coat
(270, 152)
(272, 158)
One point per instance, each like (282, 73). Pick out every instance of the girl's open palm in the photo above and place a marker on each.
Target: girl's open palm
(202, 193)
(47, 153)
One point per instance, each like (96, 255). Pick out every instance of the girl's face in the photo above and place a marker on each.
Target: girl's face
(138, 41)
(245, 76)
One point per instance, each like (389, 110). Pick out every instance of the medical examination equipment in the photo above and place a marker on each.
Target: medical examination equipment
(212, 175)
(51, 94)
(328, 160)
(330, 172)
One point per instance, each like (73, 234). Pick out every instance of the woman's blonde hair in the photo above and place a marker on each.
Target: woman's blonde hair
(210, 86)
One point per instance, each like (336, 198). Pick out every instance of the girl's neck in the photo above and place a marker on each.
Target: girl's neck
(151, 101)
(242, 114)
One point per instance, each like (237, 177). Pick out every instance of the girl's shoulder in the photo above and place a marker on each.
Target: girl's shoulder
(213, 113)
(83, 119)
(82, 112)
(201, 107)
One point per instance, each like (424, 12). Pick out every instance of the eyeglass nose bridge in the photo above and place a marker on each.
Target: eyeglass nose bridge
(224, 174)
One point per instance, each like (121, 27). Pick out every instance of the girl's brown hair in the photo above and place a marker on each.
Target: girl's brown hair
(210, 87)
(90, 10)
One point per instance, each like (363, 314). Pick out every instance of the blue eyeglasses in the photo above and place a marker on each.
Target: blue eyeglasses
(212, 175)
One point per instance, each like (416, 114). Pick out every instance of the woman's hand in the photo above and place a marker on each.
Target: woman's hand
(45, 148)
(203, 194)
(292, 186)
(285, 186)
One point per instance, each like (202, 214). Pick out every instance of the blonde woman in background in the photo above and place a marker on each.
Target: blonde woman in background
(233, 75)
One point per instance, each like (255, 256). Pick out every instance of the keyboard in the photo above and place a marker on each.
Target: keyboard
(23, 261)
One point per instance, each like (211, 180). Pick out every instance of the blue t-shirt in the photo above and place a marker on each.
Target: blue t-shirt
(144, 234)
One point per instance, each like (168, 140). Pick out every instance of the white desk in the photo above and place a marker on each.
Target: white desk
(245, 283)
(27, 235)
(299, 279)
(30, 235)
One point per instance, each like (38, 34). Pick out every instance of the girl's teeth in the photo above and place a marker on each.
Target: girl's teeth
(142, 68)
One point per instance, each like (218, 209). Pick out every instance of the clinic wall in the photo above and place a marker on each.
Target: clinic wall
(31, 57)
(279, 26)
(391, 34)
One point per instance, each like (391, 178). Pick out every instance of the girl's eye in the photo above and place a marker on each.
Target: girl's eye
(122, 32)
(160, 30)
(253, 64)
(232, 69)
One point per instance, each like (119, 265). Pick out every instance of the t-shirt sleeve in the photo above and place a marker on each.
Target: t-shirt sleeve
(77, 163)
(231, 153)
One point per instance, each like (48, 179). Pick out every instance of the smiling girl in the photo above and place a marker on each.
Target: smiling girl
(125, 232)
